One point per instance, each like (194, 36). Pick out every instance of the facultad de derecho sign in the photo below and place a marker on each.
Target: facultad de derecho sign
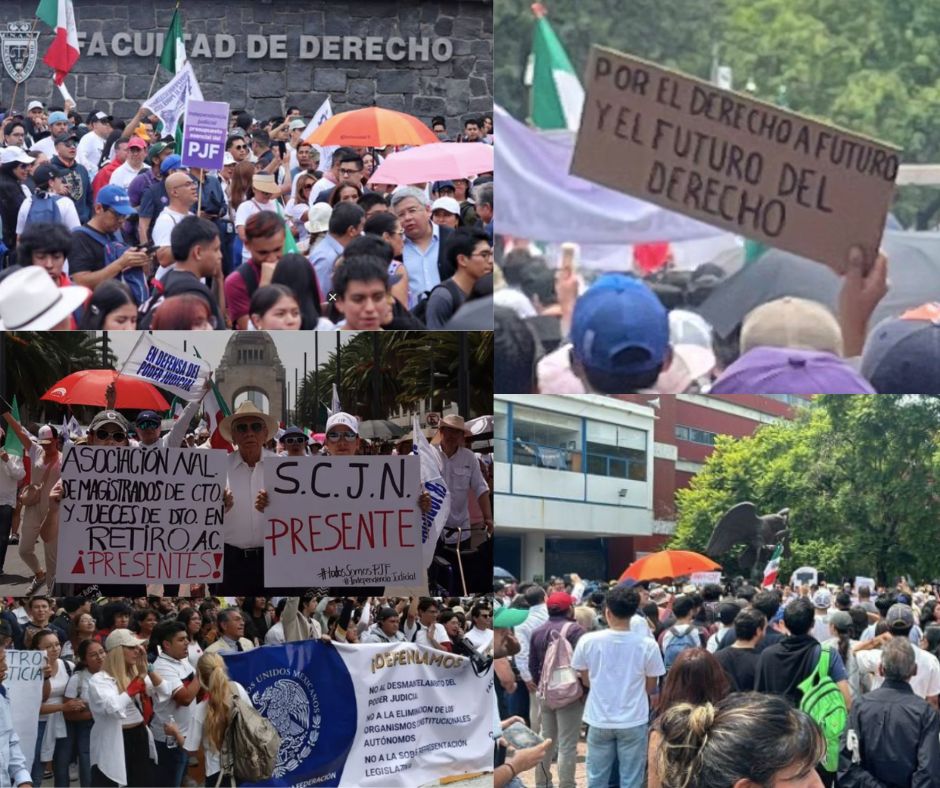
(221, 46)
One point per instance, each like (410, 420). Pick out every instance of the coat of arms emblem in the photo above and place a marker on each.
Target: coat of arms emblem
(19, 46)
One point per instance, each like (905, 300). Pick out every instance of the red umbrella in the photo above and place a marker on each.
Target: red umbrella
(372, 127)
(667, 565)
(87, 387)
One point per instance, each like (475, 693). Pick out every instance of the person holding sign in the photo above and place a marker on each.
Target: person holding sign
(11, 472)
(13, 769)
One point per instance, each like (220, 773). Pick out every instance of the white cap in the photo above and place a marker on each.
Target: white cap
(15, 153)
(342, 420)
(46, 435)
(318, 218)
(33, 105)
(229, 159)
(448, 204)
(297, 123)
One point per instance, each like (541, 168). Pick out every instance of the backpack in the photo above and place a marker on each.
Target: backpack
(114, 247)
(43, 208)
(559, 685)
(421, 308)
(678, 644)
(251, 744)
(824, 702)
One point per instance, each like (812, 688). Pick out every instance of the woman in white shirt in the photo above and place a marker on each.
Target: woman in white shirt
(90, 660)
(52, 742)
(119, 697)
(210, 719)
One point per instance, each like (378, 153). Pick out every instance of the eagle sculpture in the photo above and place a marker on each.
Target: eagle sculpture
(742, 525)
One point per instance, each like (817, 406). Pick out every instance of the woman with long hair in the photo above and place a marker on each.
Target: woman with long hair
(345, 192)
(841, 628)
(142, 625)
(90, 660)
(747, 739)
(110, 308)
(295, 272)
(696, 677)
(120, 697)
(210, 720)
(257, 621)
(80, 629)
(185, 312)
(298, 209)
(192, 619)
(931, 640)
(52, 739)
(241, 184)
(274, 308)
(13, 191)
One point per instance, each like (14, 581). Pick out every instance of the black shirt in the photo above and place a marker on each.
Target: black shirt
(740, 665)
(183, 282)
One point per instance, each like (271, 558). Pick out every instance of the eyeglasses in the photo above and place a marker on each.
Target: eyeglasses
(294, 441)
(348, 172)
(242, 428)
(334, 437)
(103, 435)
(148, 425)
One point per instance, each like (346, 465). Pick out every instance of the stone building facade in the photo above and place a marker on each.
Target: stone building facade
(251, 364)
(424, 58)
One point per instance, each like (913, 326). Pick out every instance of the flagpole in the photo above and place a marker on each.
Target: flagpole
(153, 82)
(16, 85)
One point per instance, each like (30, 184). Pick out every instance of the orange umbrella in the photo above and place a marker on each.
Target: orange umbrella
(372, 127)
(667, 565)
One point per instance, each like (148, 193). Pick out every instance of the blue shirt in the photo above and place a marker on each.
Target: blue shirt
(322, 258)
(13, 769)
(423, 273)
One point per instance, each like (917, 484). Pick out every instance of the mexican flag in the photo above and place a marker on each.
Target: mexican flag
(556, 96)
(213, 404)
(63, 52)
(13, 445)
(173, 55)
(773, 566)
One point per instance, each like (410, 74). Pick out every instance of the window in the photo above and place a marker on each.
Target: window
(546, 439)
(694, 435)
(500, 431)
(617, 451)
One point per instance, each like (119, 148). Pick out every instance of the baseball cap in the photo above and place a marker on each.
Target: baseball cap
(773, 370)
(101, 116)
(69, 135)
(33, 105)
(58, 117)
(822, 599)
(318, 218)
(108, 417)
(297, 123)
(900, 617)
(174, 162)
(438, 185)
(46, 435)
(73, 603)
(137, 142)
(794, 323)
(386, 612)
(115, 197)
(841, 619)
(902, 354)
(559, 600)
(448, 204)
(122, 637)
(293, 430)
(15, 153)
(155, 150)
(45, 173)
(619, 327)
(509, 617)
(342, 420)
(227, 159)
(147, 415)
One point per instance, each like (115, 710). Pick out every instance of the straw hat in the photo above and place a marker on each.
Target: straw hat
(246, 410)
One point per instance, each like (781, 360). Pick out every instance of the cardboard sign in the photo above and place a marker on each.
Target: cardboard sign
(144, 515)
(868, 582)
(705, 578)
(342, 521)
(164, 366)
(23, 685)
(723, 158)
(204, 134)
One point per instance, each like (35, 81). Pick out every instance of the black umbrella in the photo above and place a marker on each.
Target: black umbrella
(380, 429)
(501, 574)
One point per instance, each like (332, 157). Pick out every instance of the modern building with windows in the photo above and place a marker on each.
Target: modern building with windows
(587, 483)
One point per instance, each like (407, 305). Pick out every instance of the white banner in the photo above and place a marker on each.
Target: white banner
(704, 578)
(320, 117)
(342, 521)
(861, 582)
(169, 101)
(372, 714)
(164, 366)
(24, 689)
(432, 523)
(151, 516)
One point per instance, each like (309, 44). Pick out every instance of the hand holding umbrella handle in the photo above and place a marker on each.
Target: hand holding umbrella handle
(110, 395)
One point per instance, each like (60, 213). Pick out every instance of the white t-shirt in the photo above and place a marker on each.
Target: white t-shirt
(194, 736)
(925, 683)
(89, 151)
(162, 230)
(245, 211)
(480, 638)
(173, 672)
(640, 625)
(124, 174)
(57, 684)
(820, 629)
(67, 213)
(618, 664)
(440, 635)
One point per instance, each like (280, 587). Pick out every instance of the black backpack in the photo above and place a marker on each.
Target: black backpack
(421, 308)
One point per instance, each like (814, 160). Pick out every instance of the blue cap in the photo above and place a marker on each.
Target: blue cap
(173, 162)
(619, 327)
(58, 117)
(438, 185)
(115, 198)
(292, 430)
(147, 415)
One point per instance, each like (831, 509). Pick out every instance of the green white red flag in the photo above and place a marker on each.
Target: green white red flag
(772, 568)
(63, 53)
(557, 96)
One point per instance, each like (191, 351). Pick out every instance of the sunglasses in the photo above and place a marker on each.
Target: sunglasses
(103, 435)
(334, 437)
(294, 441)
(239, 147)
(69, 143)
(255, 426)
(148, 425)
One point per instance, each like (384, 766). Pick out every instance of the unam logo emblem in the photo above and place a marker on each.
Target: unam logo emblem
(57, 392)
(289, 701)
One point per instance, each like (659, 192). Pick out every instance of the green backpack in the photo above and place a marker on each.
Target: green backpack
(824, 702)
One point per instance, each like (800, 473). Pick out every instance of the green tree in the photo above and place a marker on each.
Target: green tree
(857, 472)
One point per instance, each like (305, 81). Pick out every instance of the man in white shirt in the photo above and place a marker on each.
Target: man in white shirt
(133, 165)
(621, 668)
(430, 633)
(174, 668)
(58, 125)
(538, 615)
(182, 193)
(481, 634)
(11, 472)
(91, 145)
(248, 429)
(822, 601)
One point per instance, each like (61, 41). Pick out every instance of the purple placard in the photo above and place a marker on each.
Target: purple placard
(204, 134)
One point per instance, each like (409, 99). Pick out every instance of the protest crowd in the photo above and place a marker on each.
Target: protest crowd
(674, 331)
(135, 691)
(711, 685)
(274, 239)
